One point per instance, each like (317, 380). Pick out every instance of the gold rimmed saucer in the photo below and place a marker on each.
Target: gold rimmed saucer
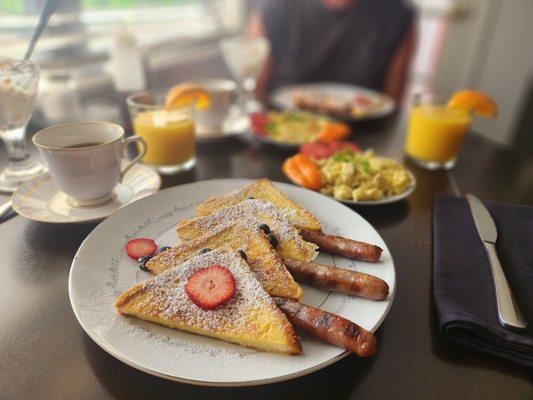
(39, 199)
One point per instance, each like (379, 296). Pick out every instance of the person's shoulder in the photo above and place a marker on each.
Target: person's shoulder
(403, 7)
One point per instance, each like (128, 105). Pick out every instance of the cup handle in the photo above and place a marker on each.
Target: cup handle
(127, 141)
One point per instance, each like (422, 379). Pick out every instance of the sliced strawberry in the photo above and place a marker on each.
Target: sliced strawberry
(258, 122)
(210, 287)
(140, 247)
(320, 150)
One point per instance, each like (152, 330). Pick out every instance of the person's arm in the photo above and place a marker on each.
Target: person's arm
(398, 69)
(255, 29)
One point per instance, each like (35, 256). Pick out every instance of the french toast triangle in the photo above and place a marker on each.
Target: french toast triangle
(254, 213)
(262, 258)
(249, 318)
(263, 189)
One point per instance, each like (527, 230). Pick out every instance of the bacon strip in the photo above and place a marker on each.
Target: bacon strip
(329, 327)
(342, 246)
(338, 279)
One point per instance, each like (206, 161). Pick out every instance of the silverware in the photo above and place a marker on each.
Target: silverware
(509, 313)
(49, 8)
(5, 209)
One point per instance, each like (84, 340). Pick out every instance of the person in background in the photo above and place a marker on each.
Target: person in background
(362, 42)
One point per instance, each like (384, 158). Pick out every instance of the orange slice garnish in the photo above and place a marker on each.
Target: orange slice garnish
(474, 102)
(185, 94)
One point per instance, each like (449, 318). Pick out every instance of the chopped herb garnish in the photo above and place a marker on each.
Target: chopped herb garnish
(365, 166)
(271, 127)
(346, 155)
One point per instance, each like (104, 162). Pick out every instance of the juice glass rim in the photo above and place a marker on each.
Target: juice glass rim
(428, 96)
(157, 105)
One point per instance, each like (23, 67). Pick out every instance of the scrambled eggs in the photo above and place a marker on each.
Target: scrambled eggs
(348, 175)
(294, 126)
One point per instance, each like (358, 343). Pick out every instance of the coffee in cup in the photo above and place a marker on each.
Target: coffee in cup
(84, 159)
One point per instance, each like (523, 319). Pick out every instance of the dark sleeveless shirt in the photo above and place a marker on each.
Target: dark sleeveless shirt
(311, 43)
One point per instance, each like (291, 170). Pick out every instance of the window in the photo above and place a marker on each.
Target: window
(81, 26)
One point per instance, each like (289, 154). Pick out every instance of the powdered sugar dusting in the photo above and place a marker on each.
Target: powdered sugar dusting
(166, 295)
(253, 212)
(267, 267)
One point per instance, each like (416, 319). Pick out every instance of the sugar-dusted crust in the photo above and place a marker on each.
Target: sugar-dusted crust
(252, 213)
(262, 258)
(250, 318)
(263, 189)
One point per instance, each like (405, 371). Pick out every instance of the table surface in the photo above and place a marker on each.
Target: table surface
(45, 353)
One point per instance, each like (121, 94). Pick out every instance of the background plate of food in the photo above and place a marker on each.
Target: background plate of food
(342, 101)
(291, 128)
(102, 270)
(344, 172)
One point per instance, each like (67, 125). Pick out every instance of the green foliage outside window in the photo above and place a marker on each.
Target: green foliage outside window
(21, 6)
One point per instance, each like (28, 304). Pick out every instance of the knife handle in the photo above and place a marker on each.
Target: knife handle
(509, 313)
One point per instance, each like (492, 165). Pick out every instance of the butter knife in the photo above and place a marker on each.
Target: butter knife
(509, 313)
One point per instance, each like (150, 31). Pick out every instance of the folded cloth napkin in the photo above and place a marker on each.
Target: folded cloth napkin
(462, 280)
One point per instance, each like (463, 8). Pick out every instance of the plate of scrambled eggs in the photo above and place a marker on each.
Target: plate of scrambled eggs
(353, 177)
(365, 178)
(292, 128)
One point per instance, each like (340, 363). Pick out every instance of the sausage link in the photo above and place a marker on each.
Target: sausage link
(329, 327)
(338, 279)
(342, 246)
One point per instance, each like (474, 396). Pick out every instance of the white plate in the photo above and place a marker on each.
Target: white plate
(387, 200)
(101, 271)
(41, 200)
(283, 97)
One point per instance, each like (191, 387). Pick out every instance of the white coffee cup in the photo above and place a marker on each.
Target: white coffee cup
(222, 94)
(84, 159)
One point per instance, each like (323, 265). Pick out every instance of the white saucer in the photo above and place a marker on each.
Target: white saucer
(41, 200)
(234, 126)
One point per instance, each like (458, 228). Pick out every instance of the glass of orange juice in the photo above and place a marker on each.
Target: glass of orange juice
(169, 135)
(435, 132)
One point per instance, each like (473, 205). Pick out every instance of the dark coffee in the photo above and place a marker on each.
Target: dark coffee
(81, 145)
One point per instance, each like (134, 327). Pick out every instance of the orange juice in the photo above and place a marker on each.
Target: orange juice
(435, 133)
(169, 137)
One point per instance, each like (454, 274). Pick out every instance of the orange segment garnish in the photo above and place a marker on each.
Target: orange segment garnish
(302, 171)
(333, 131)
(187, 93)
(474, 102)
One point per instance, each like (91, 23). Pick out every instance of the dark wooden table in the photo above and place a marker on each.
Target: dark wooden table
(45, 354)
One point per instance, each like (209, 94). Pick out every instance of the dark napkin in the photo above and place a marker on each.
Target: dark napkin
(462, 280)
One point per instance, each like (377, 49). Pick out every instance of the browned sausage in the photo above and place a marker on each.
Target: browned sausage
(338, 280)
(329, 327)
(342, 246)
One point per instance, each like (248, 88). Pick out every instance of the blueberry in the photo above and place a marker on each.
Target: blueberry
(142, 262)
(272, 239)
(243, 254)
(162, 249)
(265, 228)
(205, 250)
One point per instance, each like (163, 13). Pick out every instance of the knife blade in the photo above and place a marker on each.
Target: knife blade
(509, 314)
(486, 228)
